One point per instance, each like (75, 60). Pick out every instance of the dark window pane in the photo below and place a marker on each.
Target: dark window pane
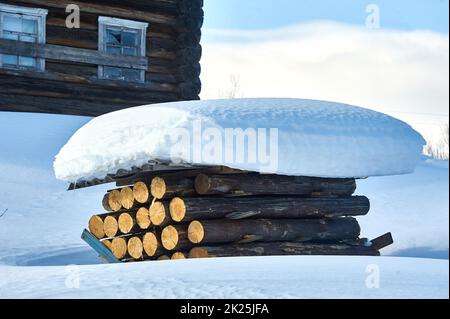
(129, 39)
(27, 62)
(113, 49)
(113, 37)
(10, 36)
(9, 59)
(131, 75)
(112, 72)
(29, 26)
(12, 24)
(28, 38)
(130, 51)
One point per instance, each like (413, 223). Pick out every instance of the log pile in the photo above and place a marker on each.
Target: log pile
(223, 213)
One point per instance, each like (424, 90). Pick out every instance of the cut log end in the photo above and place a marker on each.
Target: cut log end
(169, 237)
(110, 226)
(107, 243)
(126, 223)
(202, 184)
(198, 252)
(150, 243)
(127, 197)
(143, 218)
(141, 192)
(114, 200)
(178, 255)
(177, 209)
(196, 233)
(96, 226)
(135, 247)
(157, 213)
(119, 247)
(158, 188)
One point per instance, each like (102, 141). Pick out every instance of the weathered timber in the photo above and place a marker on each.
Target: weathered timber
(265, 230)
(175, 238)
(281, 249)
(64, 53)
(382, 241)
(147, 176)
(172, 186)
(270, 207)
(259, 184)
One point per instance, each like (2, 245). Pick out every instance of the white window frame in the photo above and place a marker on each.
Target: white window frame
(141, 27)
(40, 15)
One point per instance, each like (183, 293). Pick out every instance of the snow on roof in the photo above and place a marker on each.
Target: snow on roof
(283, 136)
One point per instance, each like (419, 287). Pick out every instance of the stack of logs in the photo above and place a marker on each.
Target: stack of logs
(215, 213)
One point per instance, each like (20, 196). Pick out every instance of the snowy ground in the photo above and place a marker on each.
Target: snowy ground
(40, 235)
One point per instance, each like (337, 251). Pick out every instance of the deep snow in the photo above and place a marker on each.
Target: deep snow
(263, 277)
(43, 224)
(313, 138)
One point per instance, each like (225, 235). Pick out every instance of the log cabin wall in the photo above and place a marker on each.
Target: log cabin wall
(70, 82)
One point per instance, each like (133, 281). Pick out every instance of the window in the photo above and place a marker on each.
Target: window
(22, 24)
(123, 37)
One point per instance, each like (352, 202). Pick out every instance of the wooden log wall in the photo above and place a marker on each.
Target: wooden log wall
(68, 87)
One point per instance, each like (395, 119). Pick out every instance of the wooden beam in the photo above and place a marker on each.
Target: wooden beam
(109, 10)
(56, 52)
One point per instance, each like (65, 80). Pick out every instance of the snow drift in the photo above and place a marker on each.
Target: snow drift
(305, 138)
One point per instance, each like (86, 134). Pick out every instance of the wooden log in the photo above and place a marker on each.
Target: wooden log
(258, 184)
(127, 223)
(178, 255)
(281, 249)
(143, 218)
(119, 247)
(270, 207)
(172, 186)
(175, 238)
(159, 214)
(114, 200)
(107, 243)
(127, 198)
(152, 247)
(163, 257)
(105, 203)
(95, 226)
(135, 247)
(141, 192)
(271, 230)
(382, 241)
(110, 226)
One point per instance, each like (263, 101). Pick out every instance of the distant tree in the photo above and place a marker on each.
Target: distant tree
(234, 90)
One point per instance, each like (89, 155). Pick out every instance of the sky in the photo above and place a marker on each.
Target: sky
(395, 60)
(266, 14)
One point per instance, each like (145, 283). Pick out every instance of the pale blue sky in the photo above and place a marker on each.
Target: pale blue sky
(263, 14)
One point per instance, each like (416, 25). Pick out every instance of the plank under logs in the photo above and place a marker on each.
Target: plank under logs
(259, 184)
(282, 248)
(271, 207)
(272, 230)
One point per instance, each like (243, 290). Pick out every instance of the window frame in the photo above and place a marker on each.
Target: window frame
(37, 14)
(140, 28)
